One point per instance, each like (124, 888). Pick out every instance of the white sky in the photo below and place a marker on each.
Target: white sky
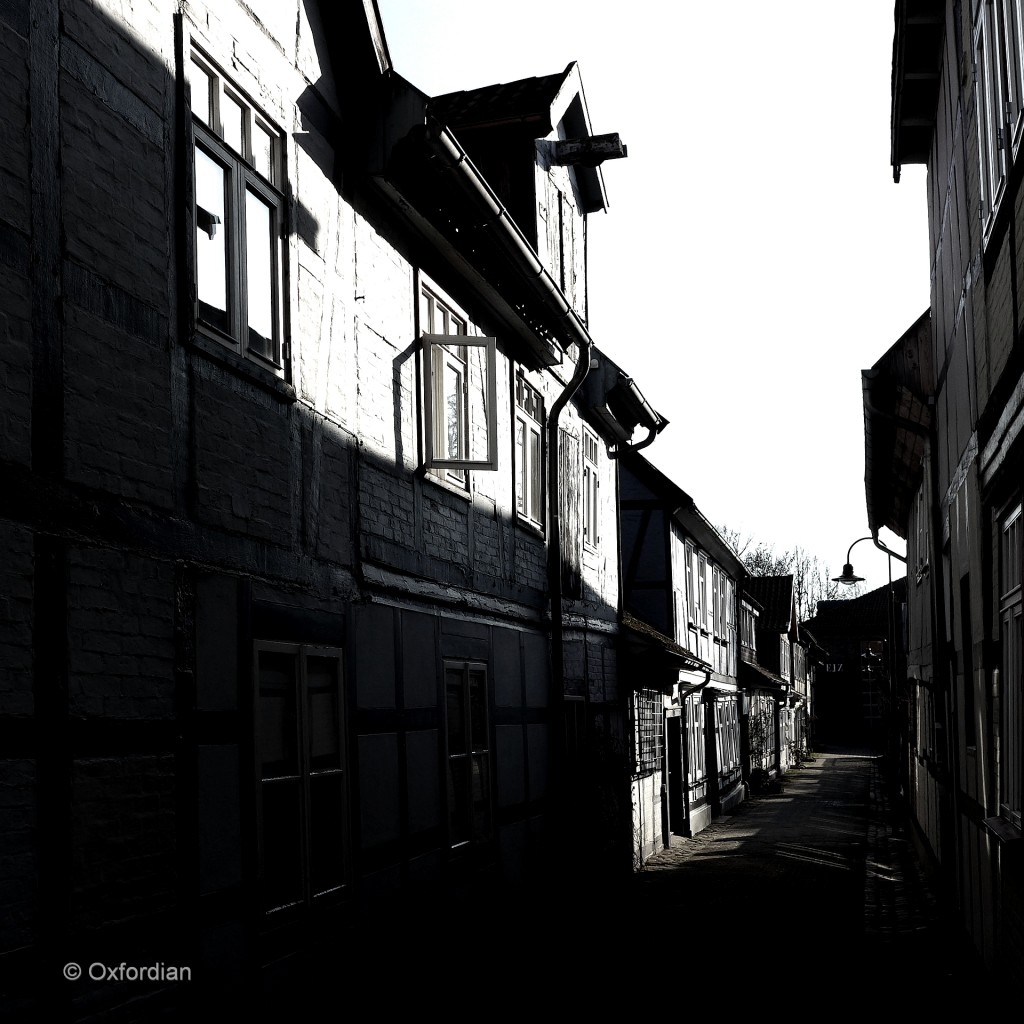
(756, 254)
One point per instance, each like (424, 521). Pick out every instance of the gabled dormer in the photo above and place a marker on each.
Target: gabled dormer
(533, 142)
(777, 622)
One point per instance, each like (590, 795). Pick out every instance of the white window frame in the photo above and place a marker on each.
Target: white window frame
(1011, 711)
(450, 351)
(991, 107)
(251, 174)
(716, 605)
(529, 457)
(304, 773)
(591, 491)
(1013, 41)
(704, 612)
(696, 723)
(691, 592)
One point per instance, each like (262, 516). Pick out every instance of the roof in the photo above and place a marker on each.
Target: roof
(859, 618)
(897, 420)
(684, 511)
(775, 596)
(529, 99)
(758, 677)
(644, 643)
(545, 105)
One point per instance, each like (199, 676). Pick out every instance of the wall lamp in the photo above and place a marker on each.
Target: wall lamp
(848, 578)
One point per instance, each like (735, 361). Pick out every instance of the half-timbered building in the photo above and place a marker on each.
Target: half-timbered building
(680, 583)
(311, 581)
(943, 412)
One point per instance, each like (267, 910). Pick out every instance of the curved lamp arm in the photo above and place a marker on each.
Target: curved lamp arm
(849, 577)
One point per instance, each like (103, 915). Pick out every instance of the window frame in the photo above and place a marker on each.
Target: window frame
(241, 178)
(591, 486)
(1013, 44)
(529, 479)
(691, 593)
(648, 706)
(704, 617)
(695, 711)
(434, 310)
(304, 776)
(1010, 539)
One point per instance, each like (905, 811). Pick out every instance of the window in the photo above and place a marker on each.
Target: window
(716, 605)
(239, 217)
(703, 611)
(459, 393)
(748, 627)
(727, 733)
(529, 452)
(691, 603)
(648, 729)
(469, 753)
(695, 724)
(999, 91)
(591, 492)
(922, 535)
(1011, 634)
(1013, 39)
(730, 625)
(302, 776)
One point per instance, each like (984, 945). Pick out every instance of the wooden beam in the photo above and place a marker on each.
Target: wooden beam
(589, 151)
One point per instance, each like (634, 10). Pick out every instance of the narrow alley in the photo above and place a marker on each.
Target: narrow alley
(831, 843)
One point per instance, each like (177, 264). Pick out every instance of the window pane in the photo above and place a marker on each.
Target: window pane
(478, 708)
(327, 832)
(453, 408)
(211, 231)
(535, 474)
(259, 275)
(481, 797)
(199, 80)
(456, 712)
(278, 749)
(322, 696)
(520, 466)
(263, 151)
(282, 843)
(458, 799)
(479, 424)
(232, 115)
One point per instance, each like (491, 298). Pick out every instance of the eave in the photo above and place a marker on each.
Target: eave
(754, 676)
(419, 165)
(612, 403)
(649, 649)
(916, 67)
(897, 392)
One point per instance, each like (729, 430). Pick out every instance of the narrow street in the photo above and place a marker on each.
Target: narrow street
(831, 847)
(811, 898)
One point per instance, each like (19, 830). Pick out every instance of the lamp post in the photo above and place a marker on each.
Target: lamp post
(848, 578)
